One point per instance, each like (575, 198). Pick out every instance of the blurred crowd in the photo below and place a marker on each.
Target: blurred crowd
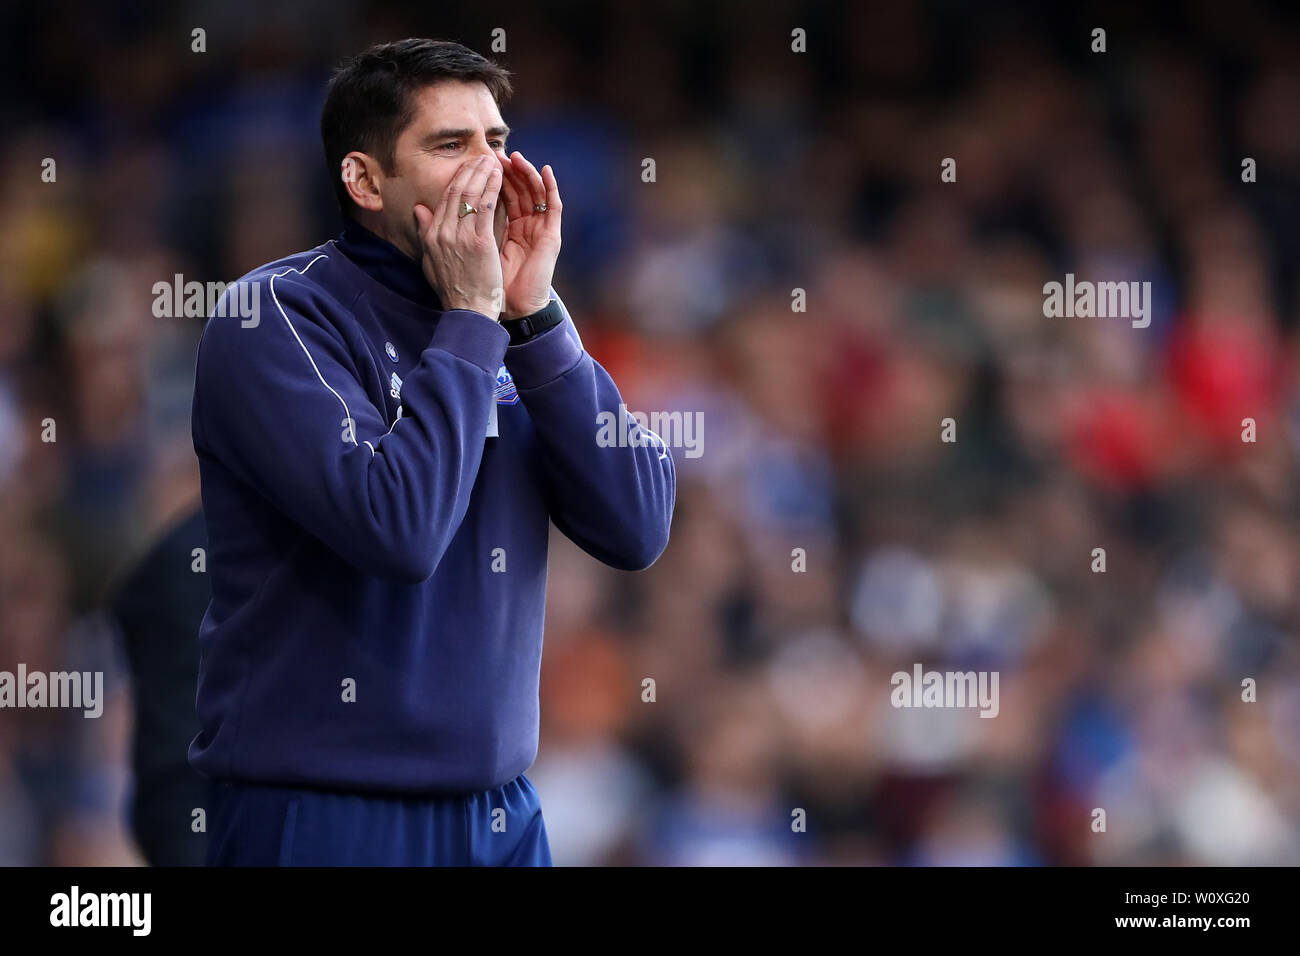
(775, 171)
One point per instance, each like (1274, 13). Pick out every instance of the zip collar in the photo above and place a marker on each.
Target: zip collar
(387, 265)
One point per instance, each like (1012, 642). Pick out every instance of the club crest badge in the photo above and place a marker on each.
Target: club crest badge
(506, 392)
(391, 350)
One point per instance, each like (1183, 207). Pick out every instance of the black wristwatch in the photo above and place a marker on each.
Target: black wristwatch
(531, 326)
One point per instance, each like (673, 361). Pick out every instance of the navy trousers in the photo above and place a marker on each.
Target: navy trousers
(258, 825)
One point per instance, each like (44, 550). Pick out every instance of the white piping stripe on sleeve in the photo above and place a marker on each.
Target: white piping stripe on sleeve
(399, 407)
(346, 412)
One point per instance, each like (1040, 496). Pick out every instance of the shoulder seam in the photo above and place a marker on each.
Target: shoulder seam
(346, 411)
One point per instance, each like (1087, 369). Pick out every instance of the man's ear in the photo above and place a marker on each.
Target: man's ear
(363, 178)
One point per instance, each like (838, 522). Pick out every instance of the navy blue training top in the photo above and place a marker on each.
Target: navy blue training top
(377, 561)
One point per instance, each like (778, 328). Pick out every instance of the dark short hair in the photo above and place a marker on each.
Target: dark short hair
(369, 100)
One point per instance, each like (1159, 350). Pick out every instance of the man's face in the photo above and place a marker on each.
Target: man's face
(455, 122)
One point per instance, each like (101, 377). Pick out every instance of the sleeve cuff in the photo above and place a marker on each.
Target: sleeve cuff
(543, 359)
(473, 337)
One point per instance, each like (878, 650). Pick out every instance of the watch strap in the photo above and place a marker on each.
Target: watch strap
(531, 326)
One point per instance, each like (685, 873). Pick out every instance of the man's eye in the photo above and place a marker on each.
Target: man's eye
(496, 144)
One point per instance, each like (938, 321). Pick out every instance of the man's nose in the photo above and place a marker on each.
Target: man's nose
(486, 150)
(477, 154)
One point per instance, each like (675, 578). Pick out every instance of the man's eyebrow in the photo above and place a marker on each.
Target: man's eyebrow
(498, 131)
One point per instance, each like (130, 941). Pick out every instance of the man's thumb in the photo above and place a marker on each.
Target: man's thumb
(423, 217)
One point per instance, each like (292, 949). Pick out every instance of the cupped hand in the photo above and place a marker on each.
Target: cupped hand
(532, 238)
(460, 255)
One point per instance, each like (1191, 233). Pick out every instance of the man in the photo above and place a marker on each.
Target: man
(381, 450)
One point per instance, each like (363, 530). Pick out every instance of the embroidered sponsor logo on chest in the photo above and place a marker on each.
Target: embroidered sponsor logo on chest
(506, 393)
